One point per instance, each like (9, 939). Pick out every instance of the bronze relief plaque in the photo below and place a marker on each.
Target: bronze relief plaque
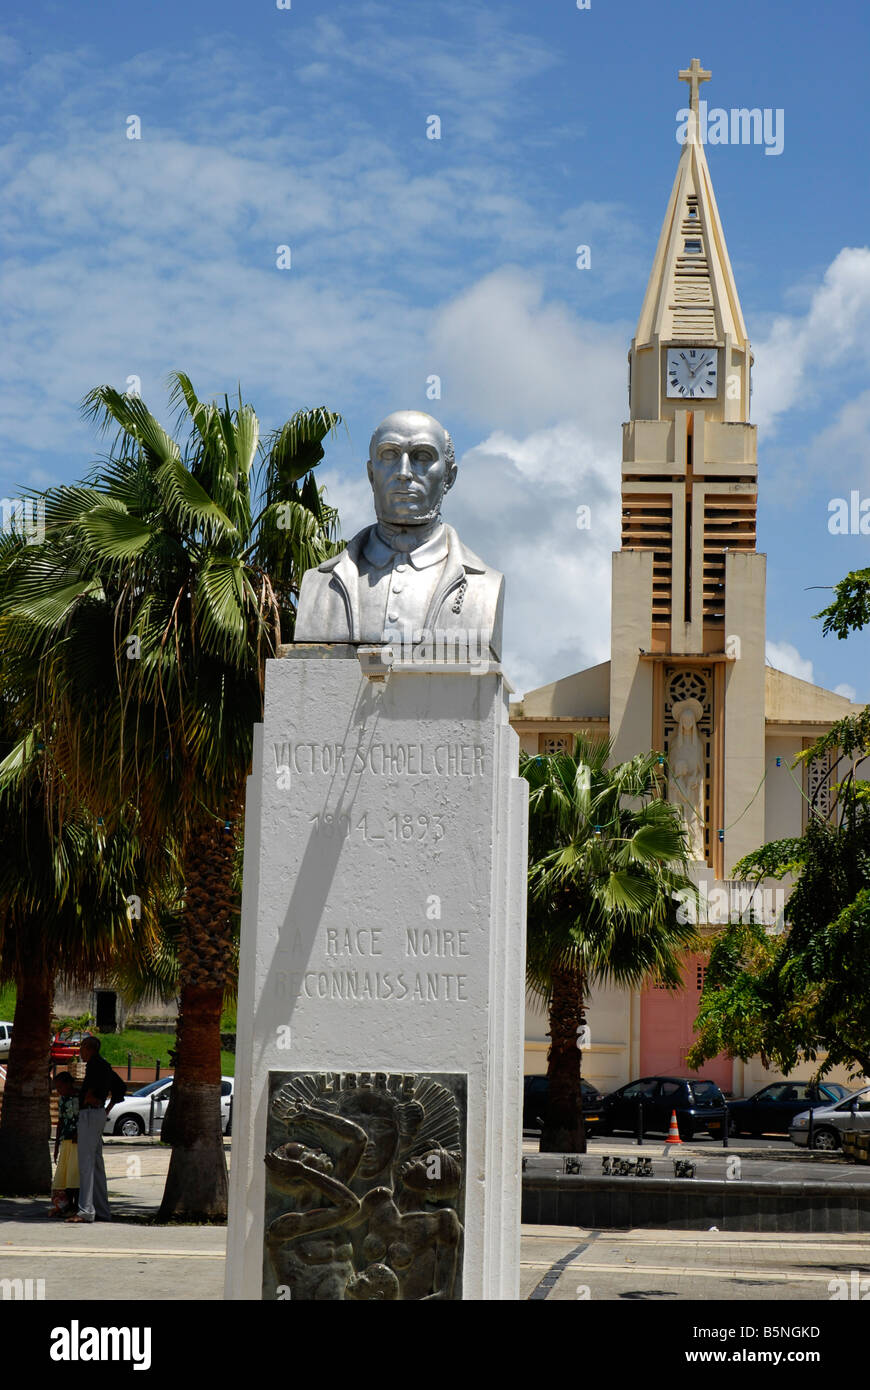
(365, 1186)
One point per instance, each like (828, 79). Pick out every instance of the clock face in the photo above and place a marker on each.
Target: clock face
(692, 372)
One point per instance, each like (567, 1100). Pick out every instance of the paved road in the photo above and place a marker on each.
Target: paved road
(672, 1266)
(130, 1259)
(141, 1263)
(146, 1263)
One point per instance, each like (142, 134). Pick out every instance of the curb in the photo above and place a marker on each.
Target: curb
(624, 1203)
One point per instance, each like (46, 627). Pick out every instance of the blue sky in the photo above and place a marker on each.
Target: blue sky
(455, 257)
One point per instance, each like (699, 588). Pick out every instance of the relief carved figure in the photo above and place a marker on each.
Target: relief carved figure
(372, 1168)
(686, 762)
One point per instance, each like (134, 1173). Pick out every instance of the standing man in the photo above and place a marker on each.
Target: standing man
(100, 1084)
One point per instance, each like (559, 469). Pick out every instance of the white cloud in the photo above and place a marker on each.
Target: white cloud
(511, 357)
(515, 504)
(847, 691)
(475, 83)
(787, 658)
(834, 332)
(351, 494)
(842, 450)
(135, 257)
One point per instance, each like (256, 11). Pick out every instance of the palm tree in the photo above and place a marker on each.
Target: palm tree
(64, 913)
(151, 607)
(608, 871)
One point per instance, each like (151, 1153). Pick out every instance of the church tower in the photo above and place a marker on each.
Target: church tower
(687, 673)
(687, 644)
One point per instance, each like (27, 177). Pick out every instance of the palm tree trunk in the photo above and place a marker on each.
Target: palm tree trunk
(564, 1130)
(25, 1125)
(196, 1184)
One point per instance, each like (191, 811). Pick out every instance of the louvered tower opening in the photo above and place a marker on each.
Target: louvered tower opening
(729, 524)
(647, 524)
(693, 313)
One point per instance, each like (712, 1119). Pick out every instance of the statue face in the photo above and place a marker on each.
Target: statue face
(407, 468)
(376, 1114)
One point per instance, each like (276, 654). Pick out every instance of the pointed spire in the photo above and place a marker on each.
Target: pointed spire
(691, 295)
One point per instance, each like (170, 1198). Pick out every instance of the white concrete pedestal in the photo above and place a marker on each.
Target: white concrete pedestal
(383, 935)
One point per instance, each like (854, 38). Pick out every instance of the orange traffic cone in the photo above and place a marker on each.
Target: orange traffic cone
(674, 1130)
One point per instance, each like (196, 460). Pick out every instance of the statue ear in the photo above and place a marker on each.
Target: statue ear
(369, 471)
(450, 478)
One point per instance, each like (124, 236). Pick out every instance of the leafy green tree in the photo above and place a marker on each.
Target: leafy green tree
(850, 609)
(161, 587)
(791, 996)
(608, 875)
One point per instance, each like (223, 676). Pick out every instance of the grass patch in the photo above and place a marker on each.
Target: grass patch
(7, 1003)
(147, 1048)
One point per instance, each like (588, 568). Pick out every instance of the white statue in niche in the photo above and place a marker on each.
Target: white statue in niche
(686, 763)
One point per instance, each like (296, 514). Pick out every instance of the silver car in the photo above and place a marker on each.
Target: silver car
(5, 1040)
(829, 1121)
(146, 1107)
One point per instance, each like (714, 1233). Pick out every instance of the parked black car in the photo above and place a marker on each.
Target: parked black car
(536, 1092)
(772, 1109)
(697, 1103)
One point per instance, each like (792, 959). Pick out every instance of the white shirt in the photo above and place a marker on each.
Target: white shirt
(397, 586)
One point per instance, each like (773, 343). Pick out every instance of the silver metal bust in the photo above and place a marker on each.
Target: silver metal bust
(408, 578)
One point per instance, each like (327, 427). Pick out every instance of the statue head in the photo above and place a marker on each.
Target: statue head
(378, 1282)
(687, 713)
(411, 466)
(434, 1175)
(386, 1121)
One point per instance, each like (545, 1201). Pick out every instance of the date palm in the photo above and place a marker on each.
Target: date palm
(160, 589)
(607, 861)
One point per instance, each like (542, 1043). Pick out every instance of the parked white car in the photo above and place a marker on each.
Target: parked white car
(829, 1121)
(5, 1039)
(133, 1115)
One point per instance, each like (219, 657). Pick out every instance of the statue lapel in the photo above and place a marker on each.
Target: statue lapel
(346, 572)
(453, 576)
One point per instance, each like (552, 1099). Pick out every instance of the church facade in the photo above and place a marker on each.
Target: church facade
(687, 674)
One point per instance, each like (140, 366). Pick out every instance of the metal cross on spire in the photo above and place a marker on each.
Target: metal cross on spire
(694, 74)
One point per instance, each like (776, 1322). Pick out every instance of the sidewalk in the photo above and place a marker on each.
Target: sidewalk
(114, 1260)
(126, 1258)
(147, 1264)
